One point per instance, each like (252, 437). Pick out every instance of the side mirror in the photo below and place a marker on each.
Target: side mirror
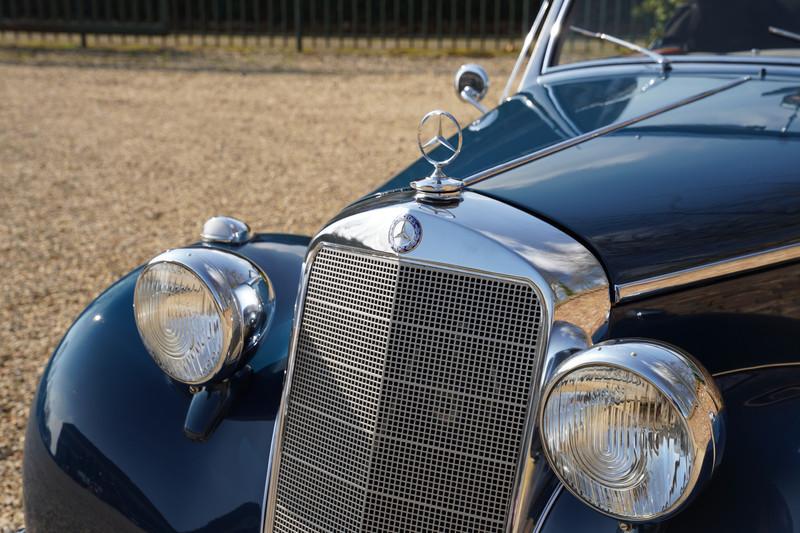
(472, 84)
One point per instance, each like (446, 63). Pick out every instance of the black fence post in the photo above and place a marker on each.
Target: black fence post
(82, 23)
(354, 22)
(327, 16)
(526, 15)
(257, 20)
(369, 24)
(439, 22)
(425, 9)
(285, 22)
(453, 13)
(383, 23)
(298, 25)
(468, 22)
(397, 23)
(270, 15)
(482, 23)
(312, 23)
(411, 23)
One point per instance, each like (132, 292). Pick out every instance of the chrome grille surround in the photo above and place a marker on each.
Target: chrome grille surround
(410, 397)
(487, 240)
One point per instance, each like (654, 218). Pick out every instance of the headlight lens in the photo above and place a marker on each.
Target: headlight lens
(631, 428)
(180, 323)
(197, 310)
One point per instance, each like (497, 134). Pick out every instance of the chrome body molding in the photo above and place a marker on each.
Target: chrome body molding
(683, 278)
(551, 502)
(526, 46)
(579, 139)
(566, 339)
(756, 367)
(478, 235)
(549, 14)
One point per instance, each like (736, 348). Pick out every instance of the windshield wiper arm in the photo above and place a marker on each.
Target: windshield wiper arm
(784, 33)
(656, 57)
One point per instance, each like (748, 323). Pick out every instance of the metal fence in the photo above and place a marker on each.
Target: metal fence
(315, 23)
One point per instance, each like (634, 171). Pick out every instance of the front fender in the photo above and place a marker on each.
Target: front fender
(105, 448)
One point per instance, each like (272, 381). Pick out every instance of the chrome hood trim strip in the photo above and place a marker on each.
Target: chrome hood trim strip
(682, 278)
(756, 367)
(569, 143)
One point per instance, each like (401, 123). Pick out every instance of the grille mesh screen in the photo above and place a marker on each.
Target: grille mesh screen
(409, 398)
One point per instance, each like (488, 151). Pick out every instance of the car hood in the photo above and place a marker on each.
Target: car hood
(712, 179)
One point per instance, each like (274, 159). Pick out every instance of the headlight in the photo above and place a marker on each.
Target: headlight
(632, 428)
(198, 310)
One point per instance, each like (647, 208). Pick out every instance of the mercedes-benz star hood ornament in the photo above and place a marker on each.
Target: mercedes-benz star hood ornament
(438, 186)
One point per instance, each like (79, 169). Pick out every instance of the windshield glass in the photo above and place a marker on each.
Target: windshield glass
(678, 27)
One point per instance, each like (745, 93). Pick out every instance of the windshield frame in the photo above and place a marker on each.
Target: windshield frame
(541, 60)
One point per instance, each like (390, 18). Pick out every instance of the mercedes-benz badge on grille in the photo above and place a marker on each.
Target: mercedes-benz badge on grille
(405, 233)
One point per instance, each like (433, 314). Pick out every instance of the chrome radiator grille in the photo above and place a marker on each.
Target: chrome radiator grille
(409, 398)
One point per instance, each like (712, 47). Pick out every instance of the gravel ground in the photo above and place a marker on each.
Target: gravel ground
(108, 158)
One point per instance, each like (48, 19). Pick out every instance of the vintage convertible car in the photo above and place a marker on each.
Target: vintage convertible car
(601, 294)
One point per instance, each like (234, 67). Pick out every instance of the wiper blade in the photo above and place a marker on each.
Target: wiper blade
(784, 33)
(656, 57)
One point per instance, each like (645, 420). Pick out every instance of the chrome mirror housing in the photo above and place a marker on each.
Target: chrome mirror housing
(471, 84)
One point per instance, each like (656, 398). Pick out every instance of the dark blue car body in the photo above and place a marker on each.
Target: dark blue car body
(712, 178)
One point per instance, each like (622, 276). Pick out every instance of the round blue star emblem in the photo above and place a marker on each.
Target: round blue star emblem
(405, 233)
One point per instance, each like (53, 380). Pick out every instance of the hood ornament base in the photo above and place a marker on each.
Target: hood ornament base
(438, 187)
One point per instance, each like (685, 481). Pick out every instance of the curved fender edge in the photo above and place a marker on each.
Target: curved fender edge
(105, 448)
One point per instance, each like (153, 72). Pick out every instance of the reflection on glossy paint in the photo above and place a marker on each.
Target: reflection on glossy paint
(735, 323)
(546, 114)
(705, 182)
(701, 183)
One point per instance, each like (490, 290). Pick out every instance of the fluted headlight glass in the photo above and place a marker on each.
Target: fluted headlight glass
(197, 310)
(630, 430)
(180, 322)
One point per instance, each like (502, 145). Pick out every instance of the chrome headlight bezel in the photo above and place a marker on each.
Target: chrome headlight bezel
(243, 297)
(679, 378)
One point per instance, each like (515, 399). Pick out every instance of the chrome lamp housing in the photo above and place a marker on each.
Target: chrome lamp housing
(199, 311)
(632, 427)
